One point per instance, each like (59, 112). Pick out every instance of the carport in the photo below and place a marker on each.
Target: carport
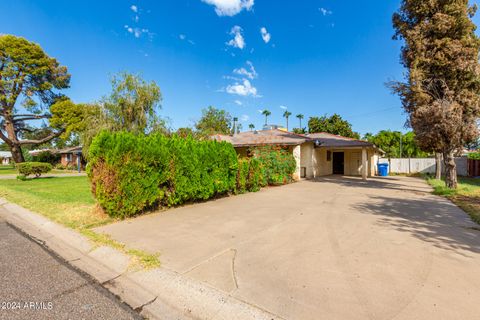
(344, 156)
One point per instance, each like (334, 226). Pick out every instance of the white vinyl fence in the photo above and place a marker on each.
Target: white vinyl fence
(422, 165)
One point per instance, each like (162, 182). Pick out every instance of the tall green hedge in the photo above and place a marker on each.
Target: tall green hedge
(132, 173)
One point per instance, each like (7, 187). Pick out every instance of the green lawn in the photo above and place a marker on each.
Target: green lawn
(65, 200)
(68, 201)
(7, 170)
(467, 196)
(11, 170)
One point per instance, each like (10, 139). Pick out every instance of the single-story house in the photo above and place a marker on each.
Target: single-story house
(5, 157)
(71, 156)
(317, 155)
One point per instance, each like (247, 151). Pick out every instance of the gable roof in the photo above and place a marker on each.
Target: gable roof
(324, 139)
(71, 150)
(263, 137)
(285, 138)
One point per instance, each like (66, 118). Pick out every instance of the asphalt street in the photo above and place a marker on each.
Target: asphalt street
(37, 284)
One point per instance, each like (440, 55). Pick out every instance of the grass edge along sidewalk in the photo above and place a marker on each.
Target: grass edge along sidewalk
(69, 202)
(467, 196)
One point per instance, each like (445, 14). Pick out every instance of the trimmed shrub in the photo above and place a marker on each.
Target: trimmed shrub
(131, 173)
(33, 168)
(47, 157)
(278, 165)
(242, 175)
(256, 177)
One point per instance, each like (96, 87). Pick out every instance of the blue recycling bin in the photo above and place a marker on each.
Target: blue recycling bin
(383, 169)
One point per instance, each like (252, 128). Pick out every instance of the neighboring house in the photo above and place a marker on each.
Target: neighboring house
(318, 154)
(71, 156)
(5, 157)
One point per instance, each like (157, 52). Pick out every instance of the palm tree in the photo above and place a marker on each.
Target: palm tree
(251, 126)
(239, 128)
(266, 113)
(287, 114)
(300, 117)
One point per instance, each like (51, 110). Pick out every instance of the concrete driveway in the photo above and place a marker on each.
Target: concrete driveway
(336, 248)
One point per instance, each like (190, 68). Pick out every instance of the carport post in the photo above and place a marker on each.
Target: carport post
(364, 163)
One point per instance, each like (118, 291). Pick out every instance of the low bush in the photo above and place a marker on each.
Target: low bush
(33, 168)
(47, 157)
(278, 165)
(474, 156)
(131, 173)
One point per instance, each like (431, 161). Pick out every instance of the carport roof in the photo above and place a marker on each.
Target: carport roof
(328, 140)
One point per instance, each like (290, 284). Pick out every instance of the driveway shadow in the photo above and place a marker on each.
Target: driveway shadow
(438, 222)
(428, 218)
(416, 185)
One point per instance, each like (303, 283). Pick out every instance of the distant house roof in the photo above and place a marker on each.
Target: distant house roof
(264, 137)
(334, 141)
(284, 138)
(5, 154)
(71, 150)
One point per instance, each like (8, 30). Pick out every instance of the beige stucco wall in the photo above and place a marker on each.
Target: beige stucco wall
(314, 160)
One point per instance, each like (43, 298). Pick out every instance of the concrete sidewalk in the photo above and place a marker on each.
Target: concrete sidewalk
(336, 248)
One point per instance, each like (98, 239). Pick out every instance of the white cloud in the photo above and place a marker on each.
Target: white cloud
(134, 8)
(325, 12)
(243, 88)
(265, 35)
(238, 41)
(238, 102)
(283, 107)
(182, 36)
(251, 73)
(230, 7)
(137, 32)
(244, 118)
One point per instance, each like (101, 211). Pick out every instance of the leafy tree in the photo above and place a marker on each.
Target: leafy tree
(214, 121)
(30, 82)
(300, 118)
(185, 132)
(251, 126)
(440, 92)
(133, 104)
(334, 125)
(266, 113)
(389, 141)
(299, 130)
(286, 115)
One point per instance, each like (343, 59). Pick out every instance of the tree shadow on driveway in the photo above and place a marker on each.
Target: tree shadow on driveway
(429, 218)
(440, 222)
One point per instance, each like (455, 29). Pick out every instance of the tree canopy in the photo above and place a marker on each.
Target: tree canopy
(440, 91)
(333, 124)
(389, 141)
(30, 83)
(214, 121)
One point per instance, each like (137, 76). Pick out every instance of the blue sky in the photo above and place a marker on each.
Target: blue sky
(314, 57)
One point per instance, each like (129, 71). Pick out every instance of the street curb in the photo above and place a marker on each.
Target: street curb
(155, 294)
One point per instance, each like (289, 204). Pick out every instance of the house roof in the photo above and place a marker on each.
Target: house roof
(280, 137)
(71, 150)
(263, 137)
(334, 141)
(5, 154)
